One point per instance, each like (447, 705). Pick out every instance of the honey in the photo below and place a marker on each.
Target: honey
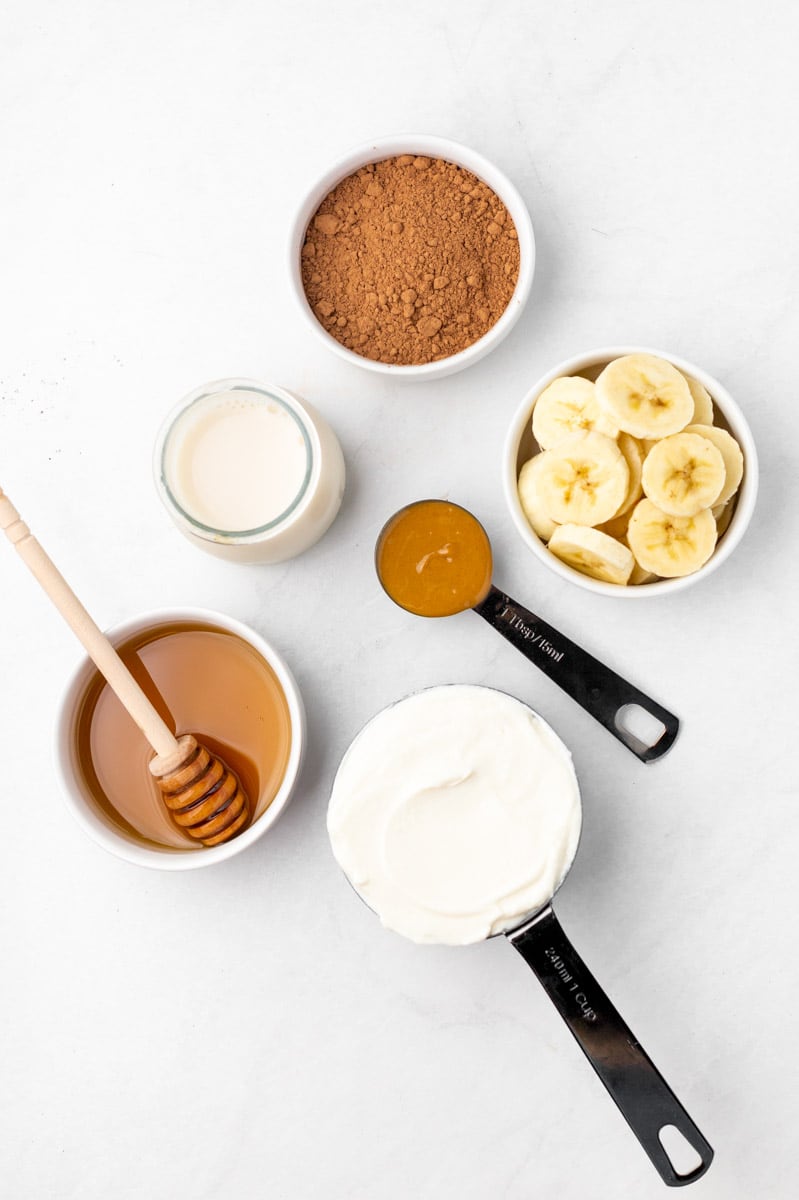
(434, 559)
(203, 680)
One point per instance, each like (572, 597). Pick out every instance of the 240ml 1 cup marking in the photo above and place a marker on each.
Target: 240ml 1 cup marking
(580, 998)
(529, 634)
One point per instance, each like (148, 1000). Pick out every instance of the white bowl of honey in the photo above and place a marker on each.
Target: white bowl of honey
(210, 675)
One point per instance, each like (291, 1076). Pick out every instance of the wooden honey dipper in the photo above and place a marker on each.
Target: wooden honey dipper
(203, 795)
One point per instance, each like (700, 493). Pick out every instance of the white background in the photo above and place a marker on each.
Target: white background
(250, 1030)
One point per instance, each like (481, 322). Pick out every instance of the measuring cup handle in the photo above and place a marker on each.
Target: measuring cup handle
(600, 691)
(644, 1098)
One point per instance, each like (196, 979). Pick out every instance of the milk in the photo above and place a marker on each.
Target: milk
(248, 471)
(236, 461)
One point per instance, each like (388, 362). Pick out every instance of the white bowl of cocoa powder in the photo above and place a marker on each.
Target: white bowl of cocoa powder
(412, 256)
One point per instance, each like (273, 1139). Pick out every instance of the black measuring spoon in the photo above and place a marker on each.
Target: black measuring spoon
(433, 559)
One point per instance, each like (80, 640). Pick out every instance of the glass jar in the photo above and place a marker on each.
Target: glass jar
(248, 471)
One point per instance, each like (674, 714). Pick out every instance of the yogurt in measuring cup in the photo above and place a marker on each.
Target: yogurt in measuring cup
(455, 813)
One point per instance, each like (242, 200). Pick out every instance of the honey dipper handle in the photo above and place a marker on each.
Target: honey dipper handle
(97, 645)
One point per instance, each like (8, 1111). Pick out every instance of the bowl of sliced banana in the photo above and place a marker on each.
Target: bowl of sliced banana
(630, 471)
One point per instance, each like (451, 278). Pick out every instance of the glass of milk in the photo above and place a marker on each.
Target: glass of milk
(248, 472)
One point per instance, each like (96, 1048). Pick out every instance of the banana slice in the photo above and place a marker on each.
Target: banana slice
(593, 553)
(703, 404)
(583, 479)
(670, 546)
(683, 474)
(616, 527)
(640, 575)
(730, 452)
(722, 514)
(634, 457)
(645, 395)
(567, 406)
(531, 500)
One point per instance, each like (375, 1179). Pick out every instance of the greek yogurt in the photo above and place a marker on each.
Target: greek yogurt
(455, 813)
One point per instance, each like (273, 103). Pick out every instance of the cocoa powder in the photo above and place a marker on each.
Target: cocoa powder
(410, 260)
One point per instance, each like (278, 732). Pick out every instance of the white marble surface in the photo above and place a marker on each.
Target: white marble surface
(250, 1030)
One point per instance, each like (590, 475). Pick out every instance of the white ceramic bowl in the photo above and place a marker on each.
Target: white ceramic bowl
(520, 445)
(433, 147)
(78, 798)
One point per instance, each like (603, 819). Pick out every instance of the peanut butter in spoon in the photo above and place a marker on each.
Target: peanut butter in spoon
(434, 559)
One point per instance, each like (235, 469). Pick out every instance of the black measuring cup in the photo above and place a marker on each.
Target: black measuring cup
(610, 699)
(640, 1092)
(634, 1083)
